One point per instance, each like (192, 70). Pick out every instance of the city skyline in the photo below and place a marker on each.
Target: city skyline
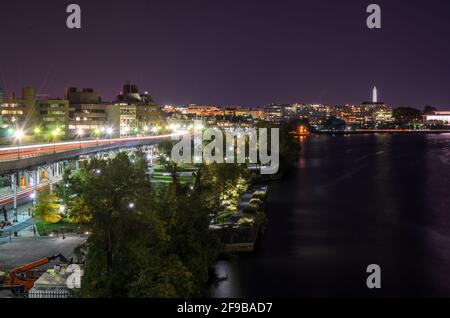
(215, 157)
(375, 98)
(228, 54)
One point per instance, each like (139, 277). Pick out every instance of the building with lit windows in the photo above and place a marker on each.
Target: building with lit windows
(87, 112)
(316, 114)
(54, 114)
(204, 111)
(438, 117)
(134, 111)
(20, 112)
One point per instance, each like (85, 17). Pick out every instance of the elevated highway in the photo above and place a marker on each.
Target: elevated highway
(17, 158)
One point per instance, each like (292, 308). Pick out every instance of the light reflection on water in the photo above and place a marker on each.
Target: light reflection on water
(354, 201)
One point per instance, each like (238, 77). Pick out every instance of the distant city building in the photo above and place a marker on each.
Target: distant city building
(87, 112)
(54, 114)
(252, 112)
(278, 112)
(123, 119)
(29, 111)
(20, 112)
(376, 112)
(133, 110)
(204, 111)
(316, 114)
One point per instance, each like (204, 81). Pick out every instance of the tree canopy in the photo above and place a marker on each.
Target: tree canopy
(146, 241)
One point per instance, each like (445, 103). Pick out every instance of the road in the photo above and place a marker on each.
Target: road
(26, 250)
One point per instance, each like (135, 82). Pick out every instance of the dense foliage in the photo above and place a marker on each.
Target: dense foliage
(146, 241)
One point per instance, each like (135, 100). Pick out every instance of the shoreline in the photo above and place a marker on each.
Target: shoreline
(379, 131)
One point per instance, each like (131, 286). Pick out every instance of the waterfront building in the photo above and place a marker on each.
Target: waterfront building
(438, 117)
(316, 114)
(383, 115)
(279, 112)
(356, 115)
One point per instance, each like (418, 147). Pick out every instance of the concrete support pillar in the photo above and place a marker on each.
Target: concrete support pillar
(50, 178)
(25, 178)
(14, 185)
(35, 177)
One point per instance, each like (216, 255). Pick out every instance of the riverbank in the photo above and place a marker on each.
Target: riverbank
(241, 234)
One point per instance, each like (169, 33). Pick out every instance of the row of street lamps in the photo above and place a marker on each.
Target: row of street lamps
(19, 134)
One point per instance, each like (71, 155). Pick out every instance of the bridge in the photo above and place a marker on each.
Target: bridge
(29, 168)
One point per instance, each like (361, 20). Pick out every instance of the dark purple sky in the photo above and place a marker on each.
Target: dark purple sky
(234, 52)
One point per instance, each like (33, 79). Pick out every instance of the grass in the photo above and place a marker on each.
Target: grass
(168, 179)
(57, 228)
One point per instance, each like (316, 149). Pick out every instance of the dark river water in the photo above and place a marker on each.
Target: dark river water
(353, 201)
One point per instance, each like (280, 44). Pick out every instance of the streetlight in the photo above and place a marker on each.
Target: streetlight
(33, 197)
(18, 135)
(55, 134)
(109, 132)
(37, 131)
(80, 134)
(97, 134)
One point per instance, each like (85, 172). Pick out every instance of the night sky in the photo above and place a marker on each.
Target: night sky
(234, 52)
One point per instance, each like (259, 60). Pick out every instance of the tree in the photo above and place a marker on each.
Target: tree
(289, 145)
(145, 241)
(79, 211)
(221, 185)
(334, 124)
(429, 109)
(405, 116)
(47, 208)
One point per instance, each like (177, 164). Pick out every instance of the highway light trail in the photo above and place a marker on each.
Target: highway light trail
(13, 152)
